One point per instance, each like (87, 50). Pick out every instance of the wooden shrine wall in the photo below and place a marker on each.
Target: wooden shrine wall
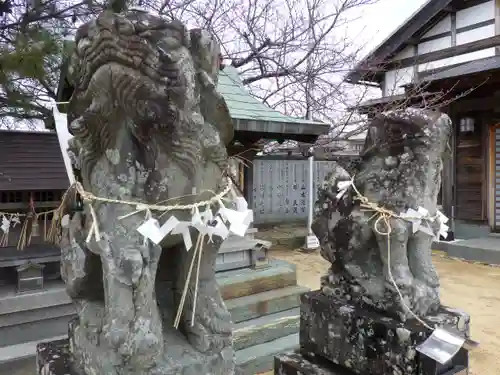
(470, 190)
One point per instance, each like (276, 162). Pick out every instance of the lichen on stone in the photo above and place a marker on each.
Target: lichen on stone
(149, 126)
(400, 168)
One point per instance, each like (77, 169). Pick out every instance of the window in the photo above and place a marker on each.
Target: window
(11, 197)
(24, 196)
(358, 147)
(467, 124)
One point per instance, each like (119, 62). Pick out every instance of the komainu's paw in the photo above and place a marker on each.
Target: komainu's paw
(425, 299)
(211, 329)
(402, 277)
(135, 341)
(116, 333)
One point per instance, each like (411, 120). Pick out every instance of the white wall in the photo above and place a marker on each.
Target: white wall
(394, 79)
(441, 27)
(471, 36)
(434, 45)
(405, 53)
(476, 14)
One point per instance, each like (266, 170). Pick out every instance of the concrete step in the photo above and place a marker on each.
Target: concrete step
(21, 359)
(481, 250)
(29, 317)
(44, 314)
(245, 282)
(249, 294)
(265, 303)
(31, 325)
(260, 358)
(266, 328)
(256, 341)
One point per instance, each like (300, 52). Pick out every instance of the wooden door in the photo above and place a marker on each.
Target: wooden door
(470, 177)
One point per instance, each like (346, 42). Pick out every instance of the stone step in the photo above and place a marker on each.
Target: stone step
(38, 330)
(274, 290)
(265, 303)
(44, 314)
(266, 328)
(34, 316)
(245, 282)
(260, 358)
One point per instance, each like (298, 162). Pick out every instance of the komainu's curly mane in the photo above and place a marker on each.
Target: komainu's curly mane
(142, 65)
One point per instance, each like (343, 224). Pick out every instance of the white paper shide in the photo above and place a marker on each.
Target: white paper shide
(421, 220)
(224, 222)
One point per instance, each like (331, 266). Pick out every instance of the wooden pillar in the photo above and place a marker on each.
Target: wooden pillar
(245, 173)
(497, 23)
(492, 173)
(483, 122)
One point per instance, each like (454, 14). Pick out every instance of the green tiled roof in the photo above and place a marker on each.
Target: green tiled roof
(248, 112)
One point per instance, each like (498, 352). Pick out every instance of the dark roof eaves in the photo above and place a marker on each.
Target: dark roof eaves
(397, 39)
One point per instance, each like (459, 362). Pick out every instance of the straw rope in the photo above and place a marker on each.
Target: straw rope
(50, 232)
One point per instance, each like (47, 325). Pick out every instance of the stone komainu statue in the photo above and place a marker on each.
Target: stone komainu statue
(400, 168)
(148, 126)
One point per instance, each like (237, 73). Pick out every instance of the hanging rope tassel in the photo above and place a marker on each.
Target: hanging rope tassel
(198, 249)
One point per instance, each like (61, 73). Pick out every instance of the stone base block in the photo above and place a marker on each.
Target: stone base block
(53, 358)
(369, 343)
(86, 354)
(298, 364)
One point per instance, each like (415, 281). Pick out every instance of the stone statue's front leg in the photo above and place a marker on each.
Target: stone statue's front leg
(393, 252)
(133, 325)
(118, 298)
(211, 329)
(426, 278)
(420, 259)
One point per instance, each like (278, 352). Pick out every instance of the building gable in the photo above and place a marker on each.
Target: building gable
(440, 34)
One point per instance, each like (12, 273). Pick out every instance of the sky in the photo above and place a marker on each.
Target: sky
(375, 23)
(378, 21)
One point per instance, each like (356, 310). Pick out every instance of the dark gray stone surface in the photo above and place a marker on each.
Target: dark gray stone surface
(177, 359)
(400, 168)
(297, 364)
(149, 127)
(54, 358)
(369, 343)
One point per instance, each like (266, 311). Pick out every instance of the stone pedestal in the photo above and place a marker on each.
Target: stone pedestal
(60, 357)
(299, 364)
(53, 358)
(340, 338)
